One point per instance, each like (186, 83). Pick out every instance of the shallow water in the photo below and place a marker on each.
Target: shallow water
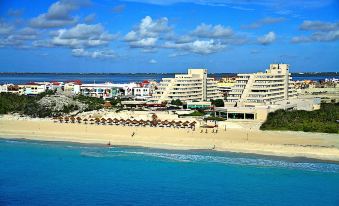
(44, 173)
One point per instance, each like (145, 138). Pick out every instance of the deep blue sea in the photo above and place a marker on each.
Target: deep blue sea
(21, 78)
(47, 173)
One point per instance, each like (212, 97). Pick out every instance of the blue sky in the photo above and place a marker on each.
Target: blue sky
(168, 35)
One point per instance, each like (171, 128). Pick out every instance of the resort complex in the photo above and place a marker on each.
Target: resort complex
(244, 97)
(194, 86)
(263, 88)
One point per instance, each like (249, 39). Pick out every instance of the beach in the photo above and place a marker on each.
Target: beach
(233, 139)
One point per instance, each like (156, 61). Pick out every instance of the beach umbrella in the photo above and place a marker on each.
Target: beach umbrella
(110, 120)
(103, 120)
(142, 122)
(72, 119)
(85, 120)
(97, 120)
(135, 121)
(116, 121)
(92, 121)
(66, 119)
(78, 119)
(154, 116)
(61, 119)
(55, 119)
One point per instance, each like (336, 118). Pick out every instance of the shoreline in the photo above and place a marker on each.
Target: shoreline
(317, 146)
(241, 154)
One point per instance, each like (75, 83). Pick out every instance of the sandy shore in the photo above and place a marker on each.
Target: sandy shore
(291, 144)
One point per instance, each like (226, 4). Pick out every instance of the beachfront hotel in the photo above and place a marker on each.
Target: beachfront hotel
(262, 88)
(193, 86)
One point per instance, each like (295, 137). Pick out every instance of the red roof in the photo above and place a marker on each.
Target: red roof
(55, 83)
(32, 83)
(75, 81)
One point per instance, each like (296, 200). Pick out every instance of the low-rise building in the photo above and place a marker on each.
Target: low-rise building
(141, 92)
(106, 90)
(32, 88)
(199, 105)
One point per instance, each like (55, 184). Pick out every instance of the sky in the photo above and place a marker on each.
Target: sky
(137, 36)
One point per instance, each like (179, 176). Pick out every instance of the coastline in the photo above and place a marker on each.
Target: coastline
(273, 143)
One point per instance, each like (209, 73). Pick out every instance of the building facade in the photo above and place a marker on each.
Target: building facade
(262, 88)
(193, 86)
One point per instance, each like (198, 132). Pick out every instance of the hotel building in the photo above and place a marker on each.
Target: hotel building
(193, 86)
(262, 88)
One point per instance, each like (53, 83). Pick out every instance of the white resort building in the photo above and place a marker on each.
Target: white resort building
(194, 86)
(262, 88)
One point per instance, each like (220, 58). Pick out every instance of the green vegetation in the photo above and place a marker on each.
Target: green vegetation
(92, 102)
(214, 118)
(322, 120)
(32, 105)
(218, 102)
(177, 102)
(20, 103)
(196, 113)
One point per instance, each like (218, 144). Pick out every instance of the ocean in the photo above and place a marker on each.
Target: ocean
(50, 173)
(22, 78)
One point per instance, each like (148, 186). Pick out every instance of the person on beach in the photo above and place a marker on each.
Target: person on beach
(133, 134)
(206, 131)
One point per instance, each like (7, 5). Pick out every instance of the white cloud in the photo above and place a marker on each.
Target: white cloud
(153, 61)
(267, 38)
(82, 35)
(238, 4)
(97, 54)
(147, 32)
(5, 28)
(319, 26)
(322, 32)
(90, 18)
(58, 14)
(210, 31)
(198, 46)
(263, 22)
(18, 38)
(318, 37)
(143, 43)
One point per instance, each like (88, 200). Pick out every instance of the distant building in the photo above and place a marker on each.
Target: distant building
(32, 88)
(225, 85)
(194, 86)
(199, 105)
(72, 87)
(141, 92)
(262, 88)
(106, 90)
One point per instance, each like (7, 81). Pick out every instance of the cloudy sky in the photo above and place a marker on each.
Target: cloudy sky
(168, 35)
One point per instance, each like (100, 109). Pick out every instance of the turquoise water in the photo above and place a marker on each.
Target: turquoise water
(42, 173)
